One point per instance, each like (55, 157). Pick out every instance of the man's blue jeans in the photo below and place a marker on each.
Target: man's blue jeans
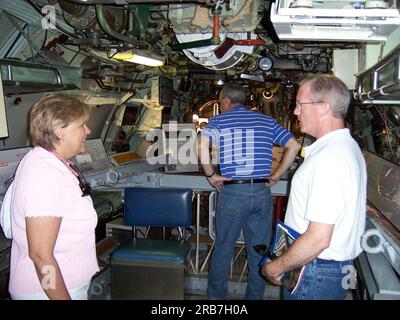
(324, 281)
(247, 206)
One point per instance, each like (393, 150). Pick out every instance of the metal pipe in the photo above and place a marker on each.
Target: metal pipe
(106, 28)
(101, 84)
(130, 20)
(134, 10)
(215, 37)
(195, 70)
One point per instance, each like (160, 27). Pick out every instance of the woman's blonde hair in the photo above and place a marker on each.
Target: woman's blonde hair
(51, 112)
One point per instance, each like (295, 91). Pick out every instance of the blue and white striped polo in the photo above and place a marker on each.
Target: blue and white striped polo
(245, 140)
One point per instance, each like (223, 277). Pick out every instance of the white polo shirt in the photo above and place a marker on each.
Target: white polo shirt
(330, 187)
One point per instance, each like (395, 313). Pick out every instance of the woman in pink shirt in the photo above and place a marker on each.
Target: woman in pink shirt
(53, 253)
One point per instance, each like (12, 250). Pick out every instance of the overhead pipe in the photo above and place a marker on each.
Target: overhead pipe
(134, 10)
(214, 40)
(215, 37)
(103, 86)
(173, 71)
(137, 44)
(123, 78)
(195, 70)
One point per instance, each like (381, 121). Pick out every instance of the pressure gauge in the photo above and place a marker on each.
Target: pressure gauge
(265, 63)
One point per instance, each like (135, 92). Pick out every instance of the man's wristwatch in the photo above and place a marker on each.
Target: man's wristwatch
(210, 175)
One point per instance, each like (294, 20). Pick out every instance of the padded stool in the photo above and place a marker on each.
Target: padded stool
(148, 268)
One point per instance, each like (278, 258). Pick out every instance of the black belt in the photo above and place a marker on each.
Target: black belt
(323, 261)
(246, 181)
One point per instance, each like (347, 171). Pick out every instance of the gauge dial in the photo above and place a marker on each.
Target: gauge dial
(265, 63)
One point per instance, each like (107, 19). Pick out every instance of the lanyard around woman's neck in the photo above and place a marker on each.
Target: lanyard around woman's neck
(83, 184)
(67, 163)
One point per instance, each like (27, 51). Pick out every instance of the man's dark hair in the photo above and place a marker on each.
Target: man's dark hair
(236, 93)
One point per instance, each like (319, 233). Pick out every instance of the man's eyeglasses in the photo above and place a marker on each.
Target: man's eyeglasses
(300, 104)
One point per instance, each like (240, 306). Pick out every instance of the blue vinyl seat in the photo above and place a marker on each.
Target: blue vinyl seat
(144, 268)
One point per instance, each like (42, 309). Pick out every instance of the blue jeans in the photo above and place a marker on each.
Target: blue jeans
(323, 281)
(247, 207)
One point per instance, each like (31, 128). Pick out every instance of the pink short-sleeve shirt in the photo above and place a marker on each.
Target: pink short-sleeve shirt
(44, 186)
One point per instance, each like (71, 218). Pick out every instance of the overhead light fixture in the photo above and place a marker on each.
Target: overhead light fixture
(140, 57)
(195, 118)
(267, 94)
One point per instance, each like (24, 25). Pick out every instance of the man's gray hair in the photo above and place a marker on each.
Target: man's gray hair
(330, 89)
(236, 93)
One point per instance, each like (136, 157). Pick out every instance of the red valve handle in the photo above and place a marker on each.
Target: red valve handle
(249, 42)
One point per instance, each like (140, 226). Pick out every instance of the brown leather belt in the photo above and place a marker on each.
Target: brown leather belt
(246, 181)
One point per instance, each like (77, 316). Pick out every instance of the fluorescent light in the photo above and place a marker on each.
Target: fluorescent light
(145, 58)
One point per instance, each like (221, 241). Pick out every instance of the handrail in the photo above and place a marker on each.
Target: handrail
(379, 92)
(57, 77)
(369, 85)
(10, 63)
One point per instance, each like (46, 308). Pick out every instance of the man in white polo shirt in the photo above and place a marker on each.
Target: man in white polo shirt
(327, 200)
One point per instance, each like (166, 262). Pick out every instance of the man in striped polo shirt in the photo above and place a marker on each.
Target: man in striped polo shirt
(245, 139)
